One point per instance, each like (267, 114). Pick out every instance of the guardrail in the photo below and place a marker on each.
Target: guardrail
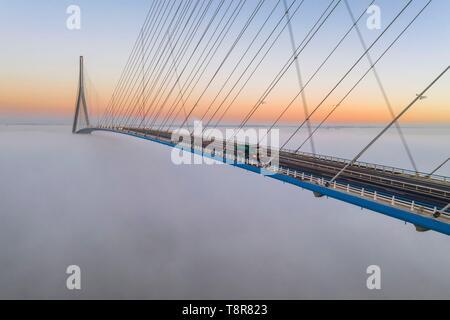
(359, 164)
(379, 167)
(361, 192)
(411, 186)
(390, 182)
(347, 188)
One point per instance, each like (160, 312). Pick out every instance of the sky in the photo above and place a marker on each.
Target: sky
(39, 60)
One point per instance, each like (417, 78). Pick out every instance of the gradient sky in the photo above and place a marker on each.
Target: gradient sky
(39, 59)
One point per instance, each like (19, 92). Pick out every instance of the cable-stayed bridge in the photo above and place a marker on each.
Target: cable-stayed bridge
(195, 59)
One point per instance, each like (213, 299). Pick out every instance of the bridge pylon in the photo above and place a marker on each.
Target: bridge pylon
(81, 118)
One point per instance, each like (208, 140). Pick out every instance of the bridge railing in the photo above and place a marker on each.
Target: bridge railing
(412, 206)
(361, 164)
(361, 192)
(387, 181)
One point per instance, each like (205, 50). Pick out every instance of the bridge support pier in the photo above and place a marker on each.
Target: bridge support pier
(317, 194)
(421, 229)
(81, 107)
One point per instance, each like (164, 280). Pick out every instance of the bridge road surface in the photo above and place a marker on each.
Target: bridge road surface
(430, 192)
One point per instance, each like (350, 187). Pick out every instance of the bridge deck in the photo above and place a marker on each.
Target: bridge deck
(419, 194)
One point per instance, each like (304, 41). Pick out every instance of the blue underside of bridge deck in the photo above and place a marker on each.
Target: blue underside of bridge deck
(418, 220)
